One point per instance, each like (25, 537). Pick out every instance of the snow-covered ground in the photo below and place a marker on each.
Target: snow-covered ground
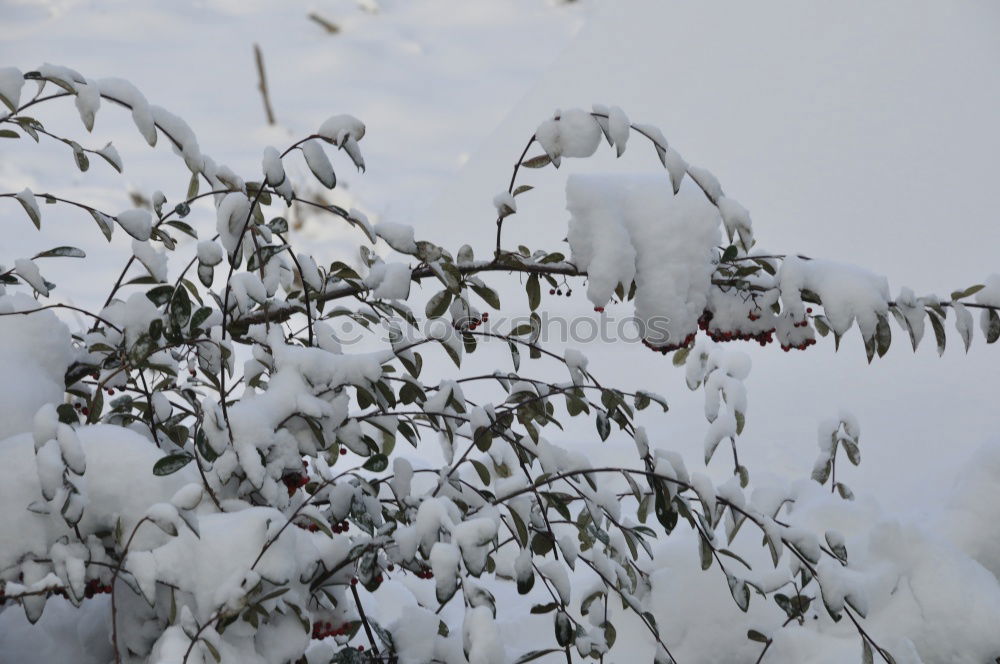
(852, 131)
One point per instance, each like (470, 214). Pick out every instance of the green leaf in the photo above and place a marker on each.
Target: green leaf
(488, 294)
(540, 161)
(883, 335)
(754, 635)
(67, 252)
(82, 162)
(104, 222)
(32, 211)
(200, 316)
(67, 414)
(522, 188)
(482, 470)
(938, 332)
(539, 609)
(180, 308)
(534, 292)
(730, 253)
(867, 657)
(541, 543)
(376, 463)
(534, 654)
(971, 290)
(664, 513)
(183, 227)
(993, 326)
(192, 189)
(7, 133)
(564, 629)
(172, 463)
(438, 304)
(705, 553)
(603, 425)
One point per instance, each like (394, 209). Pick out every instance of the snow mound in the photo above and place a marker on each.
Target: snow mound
(632, 227)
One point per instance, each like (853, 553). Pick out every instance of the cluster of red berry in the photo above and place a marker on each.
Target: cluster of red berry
(476, 322)
(425, 573)
(669, 348)
(294, 481)
(558, 291)
(802, 346)
(321, 630)
(93, 587)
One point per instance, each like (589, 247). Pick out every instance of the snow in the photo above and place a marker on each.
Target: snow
(274, 173)
(397, 236)
(125, 92)
(63, 634)
(28, 270)
(576, 363)
(110, 153)
(136, 222)
(849, 294)
(990, 294)
(27, 199)
(35, 352)
(210, 253)
(481, 637)
(626, 227)
(390, 281)
(573, 133)
(88, 101)
(11, 82)
(232, 215)
(154, 261)
(412, 632)
(117, 483)
(339, 128)
(504, 203)
(319, 163)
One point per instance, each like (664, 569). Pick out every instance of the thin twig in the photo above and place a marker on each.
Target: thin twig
(262, 84)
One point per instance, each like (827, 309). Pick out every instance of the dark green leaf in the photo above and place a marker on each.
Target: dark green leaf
(376, 463)
(939, 334)
(67, 252)
(438, 304)
(534, 292)
(172, 463)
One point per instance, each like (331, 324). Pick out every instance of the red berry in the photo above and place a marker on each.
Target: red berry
(390, 568)
(809, 310)
(343, 451)
(486, 316)
(85, 410)
(599, 310)
(552, 291)
(354, 582)
(361, 648)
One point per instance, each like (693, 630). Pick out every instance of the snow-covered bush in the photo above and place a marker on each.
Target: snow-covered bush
(208, 452)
